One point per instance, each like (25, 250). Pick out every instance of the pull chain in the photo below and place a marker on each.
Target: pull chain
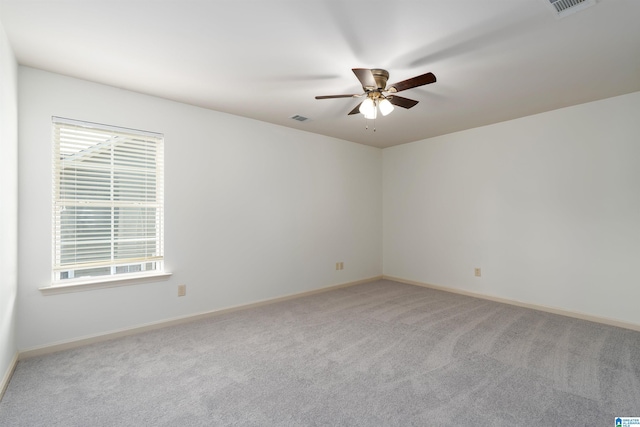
(366, 126)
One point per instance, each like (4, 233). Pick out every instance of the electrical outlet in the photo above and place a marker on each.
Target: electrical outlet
(478, 272)
(182, 290)
(339, 265)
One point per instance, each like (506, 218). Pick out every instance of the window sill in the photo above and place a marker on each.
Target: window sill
(87, 284)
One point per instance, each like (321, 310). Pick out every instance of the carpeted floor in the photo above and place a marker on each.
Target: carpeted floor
(377, 354)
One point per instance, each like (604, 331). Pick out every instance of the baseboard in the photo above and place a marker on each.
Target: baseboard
(79, 342)
(553, 310)
(7, 375)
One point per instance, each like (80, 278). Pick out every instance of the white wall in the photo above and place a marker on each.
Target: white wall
(253, 211)
(547, 205)
(8, 203)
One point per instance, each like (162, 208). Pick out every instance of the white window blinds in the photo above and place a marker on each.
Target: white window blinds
(108, 200)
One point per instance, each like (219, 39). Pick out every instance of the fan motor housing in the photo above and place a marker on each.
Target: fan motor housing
(381, 77)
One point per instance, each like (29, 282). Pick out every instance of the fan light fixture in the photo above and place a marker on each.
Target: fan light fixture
(385, 107)
(368, 109)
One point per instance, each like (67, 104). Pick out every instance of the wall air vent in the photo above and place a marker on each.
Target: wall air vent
(563, 8)
(299, 118)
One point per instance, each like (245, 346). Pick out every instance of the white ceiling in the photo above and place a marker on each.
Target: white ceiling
(495, 60)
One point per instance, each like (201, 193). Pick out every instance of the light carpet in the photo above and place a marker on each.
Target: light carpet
(375, 354)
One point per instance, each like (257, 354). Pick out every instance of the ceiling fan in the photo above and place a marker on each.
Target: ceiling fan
(378, 95)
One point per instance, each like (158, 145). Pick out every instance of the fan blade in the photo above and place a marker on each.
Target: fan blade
(422, 80)
(337, 96)
(366, 78)
(402, 102)
(355, 110)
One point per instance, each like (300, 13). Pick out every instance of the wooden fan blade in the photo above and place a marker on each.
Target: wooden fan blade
(366, 78)
(337, 96)
(355, 110)
(402, 102)
(422, 80)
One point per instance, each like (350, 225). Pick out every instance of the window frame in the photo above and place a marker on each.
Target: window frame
(137, 209)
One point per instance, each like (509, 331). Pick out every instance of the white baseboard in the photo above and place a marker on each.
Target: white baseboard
(7, 375)
(554, 310)
(79, 342)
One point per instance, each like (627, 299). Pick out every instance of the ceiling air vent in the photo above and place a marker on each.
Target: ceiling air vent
(299, 118)
(563, 8)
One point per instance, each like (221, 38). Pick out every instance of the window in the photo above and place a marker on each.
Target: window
(108, 205)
